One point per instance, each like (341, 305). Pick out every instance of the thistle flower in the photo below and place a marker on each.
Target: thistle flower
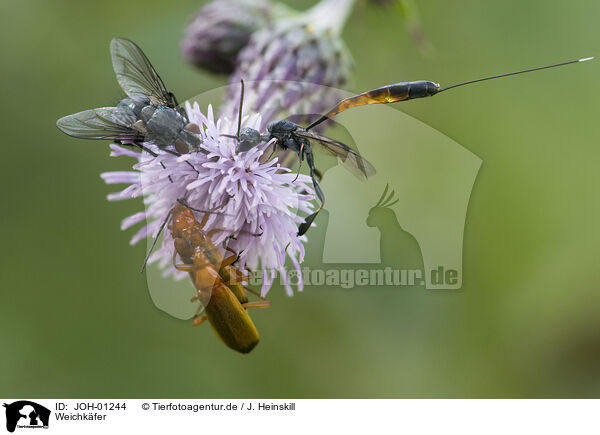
(301, 53)
(217, 33)
(259, 198)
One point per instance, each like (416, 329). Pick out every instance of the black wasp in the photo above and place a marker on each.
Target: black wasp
(291, 136)
(298, 139)
(150, 113)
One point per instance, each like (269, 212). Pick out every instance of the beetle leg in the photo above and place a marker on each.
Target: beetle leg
(240, 277)
(185, 267)
(189, 267)
(199, 320)
(229, 261)
(257, 304)
(254, 293)
(207, 215)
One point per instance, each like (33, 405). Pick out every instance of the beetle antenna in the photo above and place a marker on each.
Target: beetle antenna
(585, 59)
(162, 227)
(186, 205)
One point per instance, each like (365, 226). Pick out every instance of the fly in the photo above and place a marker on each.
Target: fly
(149, 113)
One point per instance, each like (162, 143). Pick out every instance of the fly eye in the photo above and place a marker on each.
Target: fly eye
(193, 128)
(181, 147)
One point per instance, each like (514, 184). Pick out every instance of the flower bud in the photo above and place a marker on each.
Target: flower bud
(285, 66)
(217, 33)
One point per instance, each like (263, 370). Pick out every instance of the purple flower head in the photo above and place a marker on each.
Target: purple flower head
(288, 65)
(259, 200)
(216, 34)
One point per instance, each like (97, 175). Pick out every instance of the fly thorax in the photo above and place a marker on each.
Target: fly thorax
(164, 126)
(146, 113)
(135, 105)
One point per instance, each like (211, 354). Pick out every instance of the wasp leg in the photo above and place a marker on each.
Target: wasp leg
(318, 174)
(272, 151)
(300, 160)
(304, 226)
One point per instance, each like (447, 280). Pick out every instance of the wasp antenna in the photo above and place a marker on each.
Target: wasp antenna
(583, 59)
(240, 112)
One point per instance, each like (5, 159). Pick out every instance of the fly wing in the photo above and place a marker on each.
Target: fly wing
(353, 161)
(136, 75)
(102, 123)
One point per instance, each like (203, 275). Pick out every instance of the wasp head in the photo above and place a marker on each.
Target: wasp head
(249, 138)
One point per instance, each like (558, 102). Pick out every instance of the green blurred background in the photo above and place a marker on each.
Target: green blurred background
(76, 319)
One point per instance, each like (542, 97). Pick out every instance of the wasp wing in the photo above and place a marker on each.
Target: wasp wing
(102, 123)
(353, 161)
(136, 75)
